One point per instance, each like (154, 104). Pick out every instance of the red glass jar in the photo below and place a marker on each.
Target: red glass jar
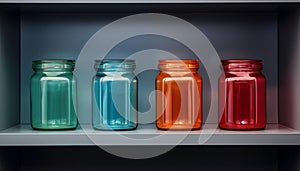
(242, 95)
(179, 95)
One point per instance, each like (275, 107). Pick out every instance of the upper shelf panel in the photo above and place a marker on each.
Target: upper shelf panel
(149, 1)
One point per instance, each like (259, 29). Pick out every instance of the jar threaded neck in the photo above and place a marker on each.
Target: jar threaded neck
(178, 65)
(54, 65)
(114, 65)
(242, 65)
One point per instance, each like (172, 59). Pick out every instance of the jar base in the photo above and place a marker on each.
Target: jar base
(235, 127)
(54, 128)
(115, 128)
(179, 127)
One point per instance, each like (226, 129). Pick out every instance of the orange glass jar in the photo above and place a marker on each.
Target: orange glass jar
(179, 95)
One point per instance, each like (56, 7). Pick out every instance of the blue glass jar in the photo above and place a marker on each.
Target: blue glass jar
(53, 95)
(115, 95)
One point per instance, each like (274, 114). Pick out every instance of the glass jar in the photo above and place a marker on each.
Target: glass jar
(242, 95)
(115, 95)
(53, 95)
(179, 95)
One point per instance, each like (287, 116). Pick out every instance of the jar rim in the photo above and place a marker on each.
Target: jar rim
(186, 61)
(241, 61)
(52, 60)
(114, 60)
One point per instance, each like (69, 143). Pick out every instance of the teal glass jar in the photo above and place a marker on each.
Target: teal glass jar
(53, 95)
(115, 95)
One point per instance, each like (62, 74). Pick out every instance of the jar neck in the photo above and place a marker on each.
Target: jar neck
(178, 70)
(242, 65)
(121, 70)
(178, 65)
(54, 70)
(241, 70)
(115, 65)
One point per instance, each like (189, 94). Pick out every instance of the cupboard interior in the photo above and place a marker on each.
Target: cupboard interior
(241, 31)
(92, 158)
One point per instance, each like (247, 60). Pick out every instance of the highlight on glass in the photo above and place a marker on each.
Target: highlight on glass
(114, 95)
(242, 95)
(179, 95)
(53, 95)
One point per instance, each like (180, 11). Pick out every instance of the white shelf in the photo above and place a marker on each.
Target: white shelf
(148, 1)
(23, 135)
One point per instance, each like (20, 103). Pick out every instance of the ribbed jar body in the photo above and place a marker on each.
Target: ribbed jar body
(115, 95)
(53, 95)
(179, 95)
(242, 95)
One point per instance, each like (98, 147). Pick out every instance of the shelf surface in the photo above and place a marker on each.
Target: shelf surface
(148, 1)
(23, 135)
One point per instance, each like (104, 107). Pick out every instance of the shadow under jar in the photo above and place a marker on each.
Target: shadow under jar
(53, 95)
(242, 95)
(115, 95)
(179, 95)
